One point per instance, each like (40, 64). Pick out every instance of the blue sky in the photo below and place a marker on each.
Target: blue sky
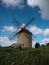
(23, 11)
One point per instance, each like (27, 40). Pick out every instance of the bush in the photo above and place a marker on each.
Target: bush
(37, 45)
(42, 45)
(47, 44)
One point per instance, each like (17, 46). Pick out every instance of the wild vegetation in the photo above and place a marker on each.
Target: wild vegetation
(25, 56)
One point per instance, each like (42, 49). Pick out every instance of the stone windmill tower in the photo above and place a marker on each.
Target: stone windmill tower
(24, 36)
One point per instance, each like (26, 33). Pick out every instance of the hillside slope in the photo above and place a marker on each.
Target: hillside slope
(11, 56)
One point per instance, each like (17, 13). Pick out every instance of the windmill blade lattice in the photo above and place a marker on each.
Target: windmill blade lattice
(29, 22)
(13, 35)
(17, 23)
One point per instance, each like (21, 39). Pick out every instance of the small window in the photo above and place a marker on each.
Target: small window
(23, 44)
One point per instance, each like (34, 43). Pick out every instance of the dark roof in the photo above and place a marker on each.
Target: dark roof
(24, 30)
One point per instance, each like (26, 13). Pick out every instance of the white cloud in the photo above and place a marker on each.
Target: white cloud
(46, 32)
(8, 28)
(35, 30)
(4, 41)
(14, 3)
(45, 41)
(43, 5)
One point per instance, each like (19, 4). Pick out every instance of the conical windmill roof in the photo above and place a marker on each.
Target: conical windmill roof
(24, 30)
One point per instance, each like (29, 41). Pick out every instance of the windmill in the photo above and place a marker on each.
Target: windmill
(24, 36)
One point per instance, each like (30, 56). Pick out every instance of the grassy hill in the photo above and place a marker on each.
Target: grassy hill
(11, 56)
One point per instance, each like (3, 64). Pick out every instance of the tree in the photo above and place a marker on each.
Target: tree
(47, 44)
(37, 45)
(0, 46)
(42, 45)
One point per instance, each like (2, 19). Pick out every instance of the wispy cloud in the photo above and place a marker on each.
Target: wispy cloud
(13, 3)
(46, 32)
(35, 30)
(4, 41)
(8, 28)
(45, 41)
(43, 5)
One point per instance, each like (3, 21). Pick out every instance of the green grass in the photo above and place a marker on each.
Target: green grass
(28, 56)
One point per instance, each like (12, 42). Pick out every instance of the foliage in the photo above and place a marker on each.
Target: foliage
(47, 44)
(42, 45)
(25, 56)
(37, 45)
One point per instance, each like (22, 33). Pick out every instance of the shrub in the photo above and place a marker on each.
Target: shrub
(42, 45)
(47, 44)
(37, 45)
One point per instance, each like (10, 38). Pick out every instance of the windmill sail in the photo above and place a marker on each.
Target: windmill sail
(32, 19)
